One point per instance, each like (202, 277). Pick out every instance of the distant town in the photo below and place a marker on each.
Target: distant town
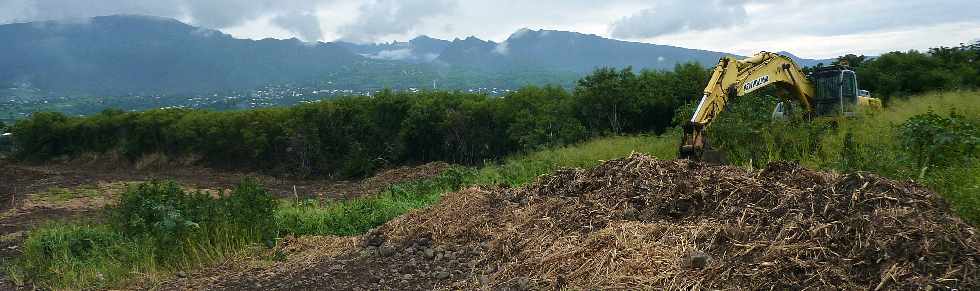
(18, 103)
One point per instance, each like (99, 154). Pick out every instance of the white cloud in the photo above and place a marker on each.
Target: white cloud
(502, 48)
(380, 18)
(864, 27)
(678, 16)
(398, 54)
(295, 16)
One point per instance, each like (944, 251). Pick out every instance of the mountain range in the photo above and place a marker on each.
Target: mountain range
(132, 54)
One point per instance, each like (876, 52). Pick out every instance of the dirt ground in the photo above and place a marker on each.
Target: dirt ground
(17, 180)
(639, 223)
(31, 195)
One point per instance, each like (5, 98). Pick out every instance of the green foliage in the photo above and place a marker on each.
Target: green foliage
(851, 60)
(749, 135)
(898, 74)
(937, 141)
(171, 217)
(155, 228)
(65, 256)
(620, 101)
(42, 136)
(357, 215)
(542, 117)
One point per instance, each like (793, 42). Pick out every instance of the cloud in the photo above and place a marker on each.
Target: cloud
(293, 15)
(405, 54)
(520, 33)
(396, 54)
(502, 49)
(304, 24)
(680, 16)
(381, 18)
(740, 26)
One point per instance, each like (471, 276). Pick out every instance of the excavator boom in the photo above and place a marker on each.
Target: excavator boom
(733, 78)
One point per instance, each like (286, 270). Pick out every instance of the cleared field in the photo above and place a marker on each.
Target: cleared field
(529, 214)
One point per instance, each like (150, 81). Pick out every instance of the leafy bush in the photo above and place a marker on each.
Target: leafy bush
(936, 141)
(155, 228)
(173, 218)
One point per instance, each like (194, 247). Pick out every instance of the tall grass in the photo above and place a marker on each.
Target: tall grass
(361, 214)
(66, 256)
(871, 142)
(156, 228)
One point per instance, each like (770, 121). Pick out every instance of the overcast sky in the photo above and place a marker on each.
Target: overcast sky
(813, 29)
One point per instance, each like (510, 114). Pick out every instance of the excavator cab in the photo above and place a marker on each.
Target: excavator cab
(836, 91)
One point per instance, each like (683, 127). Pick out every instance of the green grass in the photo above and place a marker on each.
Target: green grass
(69, 256)
(155, 229)
(522, 169)
(358, 215)
(878, 149)
(58, 194)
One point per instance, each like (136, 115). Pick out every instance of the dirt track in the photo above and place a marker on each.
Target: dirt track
(640, 223)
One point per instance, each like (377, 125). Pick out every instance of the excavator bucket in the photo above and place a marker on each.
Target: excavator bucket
(706, 154)
(714, 156)
(695, 147)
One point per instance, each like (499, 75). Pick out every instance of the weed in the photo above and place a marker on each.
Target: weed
(64, 256)
(938, 141)
(157, 227)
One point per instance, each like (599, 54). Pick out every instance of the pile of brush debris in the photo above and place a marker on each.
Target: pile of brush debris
(642, 223)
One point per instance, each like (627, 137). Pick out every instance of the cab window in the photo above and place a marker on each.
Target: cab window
(849, 91)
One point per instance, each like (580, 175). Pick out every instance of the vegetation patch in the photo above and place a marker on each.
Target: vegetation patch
(929, 138)
(156, 228)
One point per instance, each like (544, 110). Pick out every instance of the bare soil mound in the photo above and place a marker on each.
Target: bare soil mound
(642, 223)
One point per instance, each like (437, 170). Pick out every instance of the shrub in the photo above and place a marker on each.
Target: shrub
(172, 218)
(156, 227)
(936, 141)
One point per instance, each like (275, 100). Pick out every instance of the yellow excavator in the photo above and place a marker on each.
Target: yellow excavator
(828, 91)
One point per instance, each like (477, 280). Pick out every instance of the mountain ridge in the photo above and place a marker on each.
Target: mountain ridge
(135, 54)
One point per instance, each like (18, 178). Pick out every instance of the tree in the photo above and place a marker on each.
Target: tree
(850, 60)
(541, 116)
(605, 96)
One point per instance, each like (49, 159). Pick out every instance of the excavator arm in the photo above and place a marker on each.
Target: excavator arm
(734, 78)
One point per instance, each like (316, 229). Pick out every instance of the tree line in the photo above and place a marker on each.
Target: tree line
(353, 136)
(900, 74)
